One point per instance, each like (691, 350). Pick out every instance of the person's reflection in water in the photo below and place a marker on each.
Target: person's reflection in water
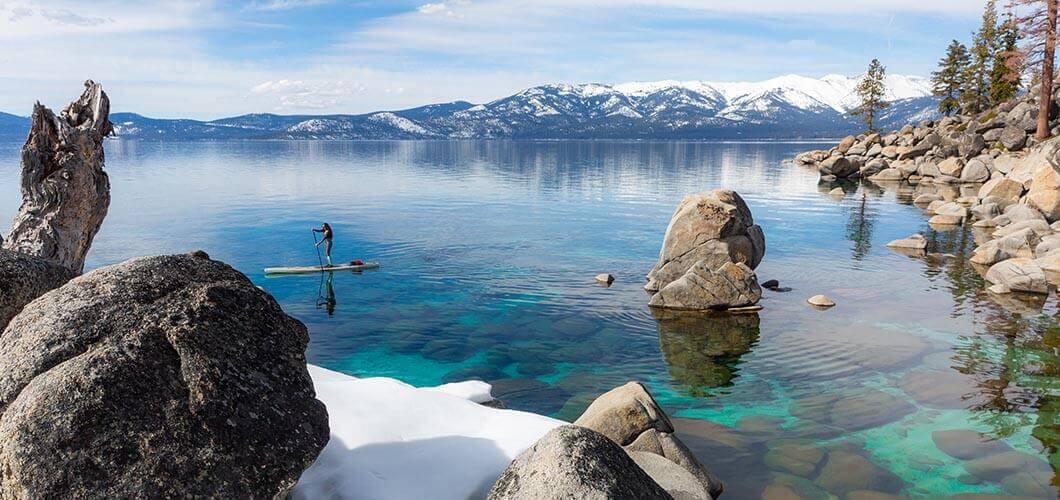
(327, 299)
(703, 350)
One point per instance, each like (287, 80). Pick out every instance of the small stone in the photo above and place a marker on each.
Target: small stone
(820, 301)
(915, 242)
(605, 278)
(770, 284)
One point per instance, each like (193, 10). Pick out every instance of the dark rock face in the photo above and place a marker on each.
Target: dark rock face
(575, 462)
(160, 377)
(24, 278)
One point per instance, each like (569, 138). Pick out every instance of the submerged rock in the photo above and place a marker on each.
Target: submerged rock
(575, 462)
(160, 377)
(913, 242)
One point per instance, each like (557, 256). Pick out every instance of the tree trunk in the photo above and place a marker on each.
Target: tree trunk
(1045, 98)
(65, 192)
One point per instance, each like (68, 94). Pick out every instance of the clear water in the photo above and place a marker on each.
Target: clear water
(489, 250)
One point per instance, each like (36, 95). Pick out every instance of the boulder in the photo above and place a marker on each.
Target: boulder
(952, 208)
(951, 167)
(946, 220)
(1018, 275)
(575, 462)
(160, 377)
(1013, 138)
(23, 278)
(890, 152)
(874, 167)
(679, 483)
(845, 145)
(730, 286)
(846, 472)
(1018, 213)
(1048, 244)
(976, 170)
(926, 199)
(707, 232)
(1003, 188)
(1038, 226)
(970, 145)
(920, 149)
(927, 168)
(1016, 245)
(840, 166)
(914, 242)
(1044, 193)
(964, 444)
(888, 174)
(629, 416)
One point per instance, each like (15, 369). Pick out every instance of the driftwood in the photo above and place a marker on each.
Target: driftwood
(65, 192)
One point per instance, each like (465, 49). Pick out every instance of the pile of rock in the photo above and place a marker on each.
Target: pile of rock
(708, 256)
(987, 171)
(621, 447)
(953, 150)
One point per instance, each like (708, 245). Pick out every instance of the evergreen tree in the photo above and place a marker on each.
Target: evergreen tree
(949, 79)
(1005, 75)
(1038, 26)
(873, 93)
(976, 93)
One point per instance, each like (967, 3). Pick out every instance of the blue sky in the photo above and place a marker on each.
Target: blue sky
(208, 59)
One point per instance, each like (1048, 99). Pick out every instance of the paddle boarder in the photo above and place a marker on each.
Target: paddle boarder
(326, 239)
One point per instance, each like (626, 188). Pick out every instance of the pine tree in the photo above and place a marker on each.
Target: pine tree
(873, 93)
(1005, 74)
(949, 79)
(976, 92)
(1037, 23)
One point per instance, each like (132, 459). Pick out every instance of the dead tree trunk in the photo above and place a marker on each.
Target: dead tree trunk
(1046, 97)
(65, 192)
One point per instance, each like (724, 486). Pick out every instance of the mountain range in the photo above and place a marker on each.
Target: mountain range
(786, 107)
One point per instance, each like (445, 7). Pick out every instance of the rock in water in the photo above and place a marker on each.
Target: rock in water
(65, 192)
(605, 278)
(629, 416)
(160, 377)
(24, 278)
(731, 286)
(707, 231)
(575, 462)
(820, 301)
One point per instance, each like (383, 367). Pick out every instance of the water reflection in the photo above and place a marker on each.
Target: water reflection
(703, 351)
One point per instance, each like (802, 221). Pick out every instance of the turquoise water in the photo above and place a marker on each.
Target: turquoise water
(489, 250)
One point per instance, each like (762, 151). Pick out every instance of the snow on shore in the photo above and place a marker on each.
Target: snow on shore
(390, 440)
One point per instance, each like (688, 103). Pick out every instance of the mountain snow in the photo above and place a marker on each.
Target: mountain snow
(789, 106)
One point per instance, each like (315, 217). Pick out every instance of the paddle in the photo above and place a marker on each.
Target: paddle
(316, 245)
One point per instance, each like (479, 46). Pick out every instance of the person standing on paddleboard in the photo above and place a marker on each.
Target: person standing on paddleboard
(326, 240)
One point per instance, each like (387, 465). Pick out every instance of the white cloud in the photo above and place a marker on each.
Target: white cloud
(156, 57)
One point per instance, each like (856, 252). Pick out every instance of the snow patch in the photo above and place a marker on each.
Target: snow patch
(399, 123)
(390, 440)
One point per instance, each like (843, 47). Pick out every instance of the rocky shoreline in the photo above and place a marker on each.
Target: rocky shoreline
(985, 171)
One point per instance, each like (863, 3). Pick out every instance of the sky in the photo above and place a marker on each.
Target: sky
(213, 58)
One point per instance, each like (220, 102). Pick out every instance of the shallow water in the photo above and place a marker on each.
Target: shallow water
(489, 251)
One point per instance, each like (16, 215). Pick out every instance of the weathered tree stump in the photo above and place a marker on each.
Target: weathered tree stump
(65, 192)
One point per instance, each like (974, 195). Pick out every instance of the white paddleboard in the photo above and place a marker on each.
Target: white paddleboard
(320, 269)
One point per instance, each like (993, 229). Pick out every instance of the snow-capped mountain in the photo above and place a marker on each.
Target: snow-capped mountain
(785, 107)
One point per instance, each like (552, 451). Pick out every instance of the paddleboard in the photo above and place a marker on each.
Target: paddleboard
(320, 269)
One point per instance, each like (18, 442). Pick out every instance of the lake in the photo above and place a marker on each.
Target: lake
(918, 382)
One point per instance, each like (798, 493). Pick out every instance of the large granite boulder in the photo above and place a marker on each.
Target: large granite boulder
(840, 166)
(24, 278)
(1017, 275)
(707, 231)
(575, 462)
(1044, 193)
(629, 416)
(160, 377)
